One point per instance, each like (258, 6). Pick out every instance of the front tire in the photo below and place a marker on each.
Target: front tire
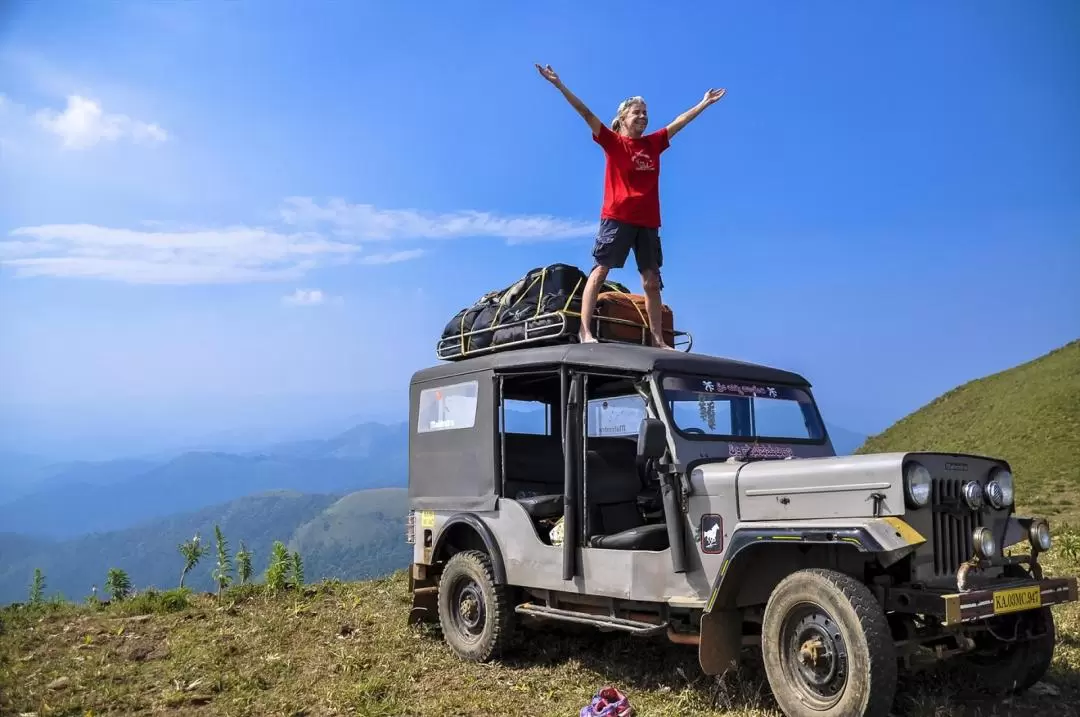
(827, 647)
(475, 613)
(1011, 668)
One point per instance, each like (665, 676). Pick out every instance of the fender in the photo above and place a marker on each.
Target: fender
(876, 535)
(485, 534)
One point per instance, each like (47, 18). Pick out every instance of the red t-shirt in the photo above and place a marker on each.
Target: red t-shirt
(632, 176)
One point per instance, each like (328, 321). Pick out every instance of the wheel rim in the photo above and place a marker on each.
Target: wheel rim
(814, 655)
(467, 609)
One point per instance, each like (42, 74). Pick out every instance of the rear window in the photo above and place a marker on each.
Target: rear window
(447, 408)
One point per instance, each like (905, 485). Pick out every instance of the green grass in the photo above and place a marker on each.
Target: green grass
(337, 648)
(1029, 415)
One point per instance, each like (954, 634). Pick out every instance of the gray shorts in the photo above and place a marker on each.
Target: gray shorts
(615, 240)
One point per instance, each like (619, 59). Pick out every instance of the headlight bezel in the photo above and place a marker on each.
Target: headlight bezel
(981, 536)
(1035, 535)
(974, 495)
(1005, 481)
(917, 482)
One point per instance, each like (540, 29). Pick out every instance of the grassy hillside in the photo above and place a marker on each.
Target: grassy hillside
(357, 537)
(362, 535)
(345, 648)
(1029, 415)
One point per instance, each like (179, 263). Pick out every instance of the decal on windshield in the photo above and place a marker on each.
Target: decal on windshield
(759, 450)
(739, 389)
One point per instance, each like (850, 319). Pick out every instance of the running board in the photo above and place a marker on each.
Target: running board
(604, 622)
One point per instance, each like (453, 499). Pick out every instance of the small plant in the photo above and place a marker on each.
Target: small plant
(1068, 543)
(277, 572)
(223, 571)
(243, 563)
(37, 588)
(153, 601)
(118, 584)
(192, 551)
(297, 570)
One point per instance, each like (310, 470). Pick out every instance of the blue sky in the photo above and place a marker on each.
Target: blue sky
(202, 204)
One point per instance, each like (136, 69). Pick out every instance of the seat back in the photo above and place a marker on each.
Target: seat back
(534, 465)
(612, 485)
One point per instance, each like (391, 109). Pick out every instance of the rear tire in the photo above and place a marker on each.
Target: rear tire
(827, 647)
(475, 613)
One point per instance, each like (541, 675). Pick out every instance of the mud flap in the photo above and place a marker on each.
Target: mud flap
(425, 600)
(721, 641)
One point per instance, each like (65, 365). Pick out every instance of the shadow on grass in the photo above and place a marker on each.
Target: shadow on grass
(637, 665)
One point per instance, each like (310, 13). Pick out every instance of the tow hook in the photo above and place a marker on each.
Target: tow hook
(962, 574)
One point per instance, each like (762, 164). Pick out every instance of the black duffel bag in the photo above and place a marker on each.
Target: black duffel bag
(499, 317)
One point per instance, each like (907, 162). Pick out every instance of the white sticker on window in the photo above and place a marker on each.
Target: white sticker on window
(447, 407)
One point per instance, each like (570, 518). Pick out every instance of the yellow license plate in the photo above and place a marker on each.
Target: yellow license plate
(1017, 599)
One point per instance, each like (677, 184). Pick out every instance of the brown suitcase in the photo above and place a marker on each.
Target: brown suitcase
(629, 308)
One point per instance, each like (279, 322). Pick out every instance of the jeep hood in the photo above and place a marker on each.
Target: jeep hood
(809, 488)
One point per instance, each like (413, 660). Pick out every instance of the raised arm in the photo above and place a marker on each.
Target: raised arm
(594, 122)
(682, 120)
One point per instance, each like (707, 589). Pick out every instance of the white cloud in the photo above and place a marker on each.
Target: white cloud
(84, 123)
(167, 253)
(369, 223)
(392, 257)
(309, 297)
(227, 255)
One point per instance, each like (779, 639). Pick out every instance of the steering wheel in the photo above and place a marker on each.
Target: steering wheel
(695, 431)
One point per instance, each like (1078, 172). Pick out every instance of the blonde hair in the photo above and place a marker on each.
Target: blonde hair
(623, 107)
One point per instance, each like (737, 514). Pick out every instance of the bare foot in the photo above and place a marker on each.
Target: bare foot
(659, 343)
(587, 339)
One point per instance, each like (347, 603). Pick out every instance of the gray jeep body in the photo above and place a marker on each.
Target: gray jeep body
(686, 534)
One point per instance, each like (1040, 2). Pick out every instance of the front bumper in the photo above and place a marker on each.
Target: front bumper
(974, 605)
(977, 605)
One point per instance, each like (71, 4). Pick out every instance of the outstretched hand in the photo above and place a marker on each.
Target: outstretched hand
(548, 74)
(713, 96)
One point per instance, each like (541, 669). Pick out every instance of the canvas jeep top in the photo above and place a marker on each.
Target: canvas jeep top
(699, 499)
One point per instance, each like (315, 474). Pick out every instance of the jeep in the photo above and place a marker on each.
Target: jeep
(697, 499)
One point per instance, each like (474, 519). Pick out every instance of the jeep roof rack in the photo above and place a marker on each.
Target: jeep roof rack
(554, 327)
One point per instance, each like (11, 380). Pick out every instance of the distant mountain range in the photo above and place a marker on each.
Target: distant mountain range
(73, 499)
(350, 537)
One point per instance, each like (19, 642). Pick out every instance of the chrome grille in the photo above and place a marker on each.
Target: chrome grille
(954, 524)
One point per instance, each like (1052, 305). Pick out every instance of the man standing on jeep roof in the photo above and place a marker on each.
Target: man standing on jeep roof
(630, 217)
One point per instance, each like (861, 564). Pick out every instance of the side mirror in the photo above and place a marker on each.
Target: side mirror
(652, 439)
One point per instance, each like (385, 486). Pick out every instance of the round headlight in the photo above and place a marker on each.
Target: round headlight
(985, 545)
(973, 495)
(1004, 481)
(995, 494)
(917, 482)
(1040, 535)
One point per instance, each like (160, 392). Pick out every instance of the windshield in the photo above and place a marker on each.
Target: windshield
(718, 407)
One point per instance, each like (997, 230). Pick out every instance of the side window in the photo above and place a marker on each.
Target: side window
(447, 407)
(532, 417)
(618, 416)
